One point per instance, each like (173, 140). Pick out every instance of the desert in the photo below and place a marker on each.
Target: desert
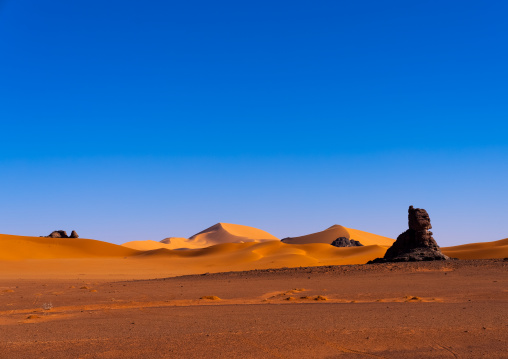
(236, 291)
(253, 179)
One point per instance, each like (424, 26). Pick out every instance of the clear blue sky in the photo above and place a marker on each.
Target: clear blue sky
(129, 120)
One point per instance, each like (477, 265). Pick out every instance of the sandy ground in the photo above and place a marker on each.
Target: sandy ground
(456, 309)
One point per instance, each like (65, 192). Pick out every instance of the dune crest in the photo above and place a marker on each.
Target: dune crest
(332, 233)
(264, 255)
(23, 247)
(231, 233)
(483, 250)
(217, 234)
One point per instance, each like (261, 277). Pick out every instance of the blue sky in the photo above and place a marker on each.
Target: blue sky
(128, 120)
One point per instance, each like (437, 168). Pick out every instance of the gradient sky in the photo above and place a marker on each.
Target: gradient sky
(128, 120)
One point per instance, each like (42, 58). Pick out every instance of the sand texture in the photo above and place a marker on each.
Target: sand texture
(456, 309)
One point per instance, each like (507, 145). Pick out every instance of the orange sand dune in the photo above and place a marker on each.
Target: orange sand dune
(21, 247)
(35, 257)
(270, 254)
(330, 234)
(244, 256)
(150, 245)
(216, 234)
(231, 233)
(485, 250)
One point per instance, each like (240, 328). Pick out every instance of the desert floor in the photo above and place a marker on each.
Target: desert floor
(455, 309)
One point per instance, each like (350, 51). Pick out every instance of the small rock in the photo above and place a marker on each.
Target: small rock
(346, 242)
(58, 234)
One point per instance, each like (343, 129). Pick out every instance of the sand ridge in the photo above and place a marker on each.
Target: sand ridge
(332, 233)
(22, 247)
(484, 250)
(219, 233)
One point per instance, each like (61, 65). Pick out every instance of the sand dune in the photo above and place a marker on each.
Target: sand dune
(216, 234)
(270, 254)
(148, 245)
(21, 247)
(485, 250)
(31, 257)
(230, 233)
(330, 234)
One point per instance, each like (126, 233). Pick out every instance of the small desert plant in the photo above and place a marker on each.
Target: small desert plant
(47, 306)
(210, 297)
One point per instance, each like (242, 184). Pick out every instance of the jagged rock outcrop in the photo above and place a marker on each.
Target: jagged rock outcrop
(346, 242)
(62, 234)
(415, 244)
(58, 234)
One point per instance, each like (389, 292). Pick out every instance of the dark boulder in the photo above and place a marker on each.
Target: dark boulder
(415, 244)
(355, 243)
(74, 235)
(58, 234)
(346, 242)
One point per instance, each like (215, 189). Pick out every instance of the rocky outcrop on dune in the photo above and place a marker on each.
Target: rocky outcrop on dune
(327, 236)
(346, 242)
(62, 234)
(171, 240)
(331, 234)
(415, 244)
(58, 234)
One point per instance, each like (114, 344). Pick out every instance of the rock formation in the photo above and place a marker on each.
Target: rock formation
(58, 234)
(346, 242)
(415, 244)
(62, 234)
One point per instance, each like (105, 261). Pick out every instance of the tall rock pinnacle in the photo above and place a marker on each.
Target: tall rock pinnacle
(415, 244)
